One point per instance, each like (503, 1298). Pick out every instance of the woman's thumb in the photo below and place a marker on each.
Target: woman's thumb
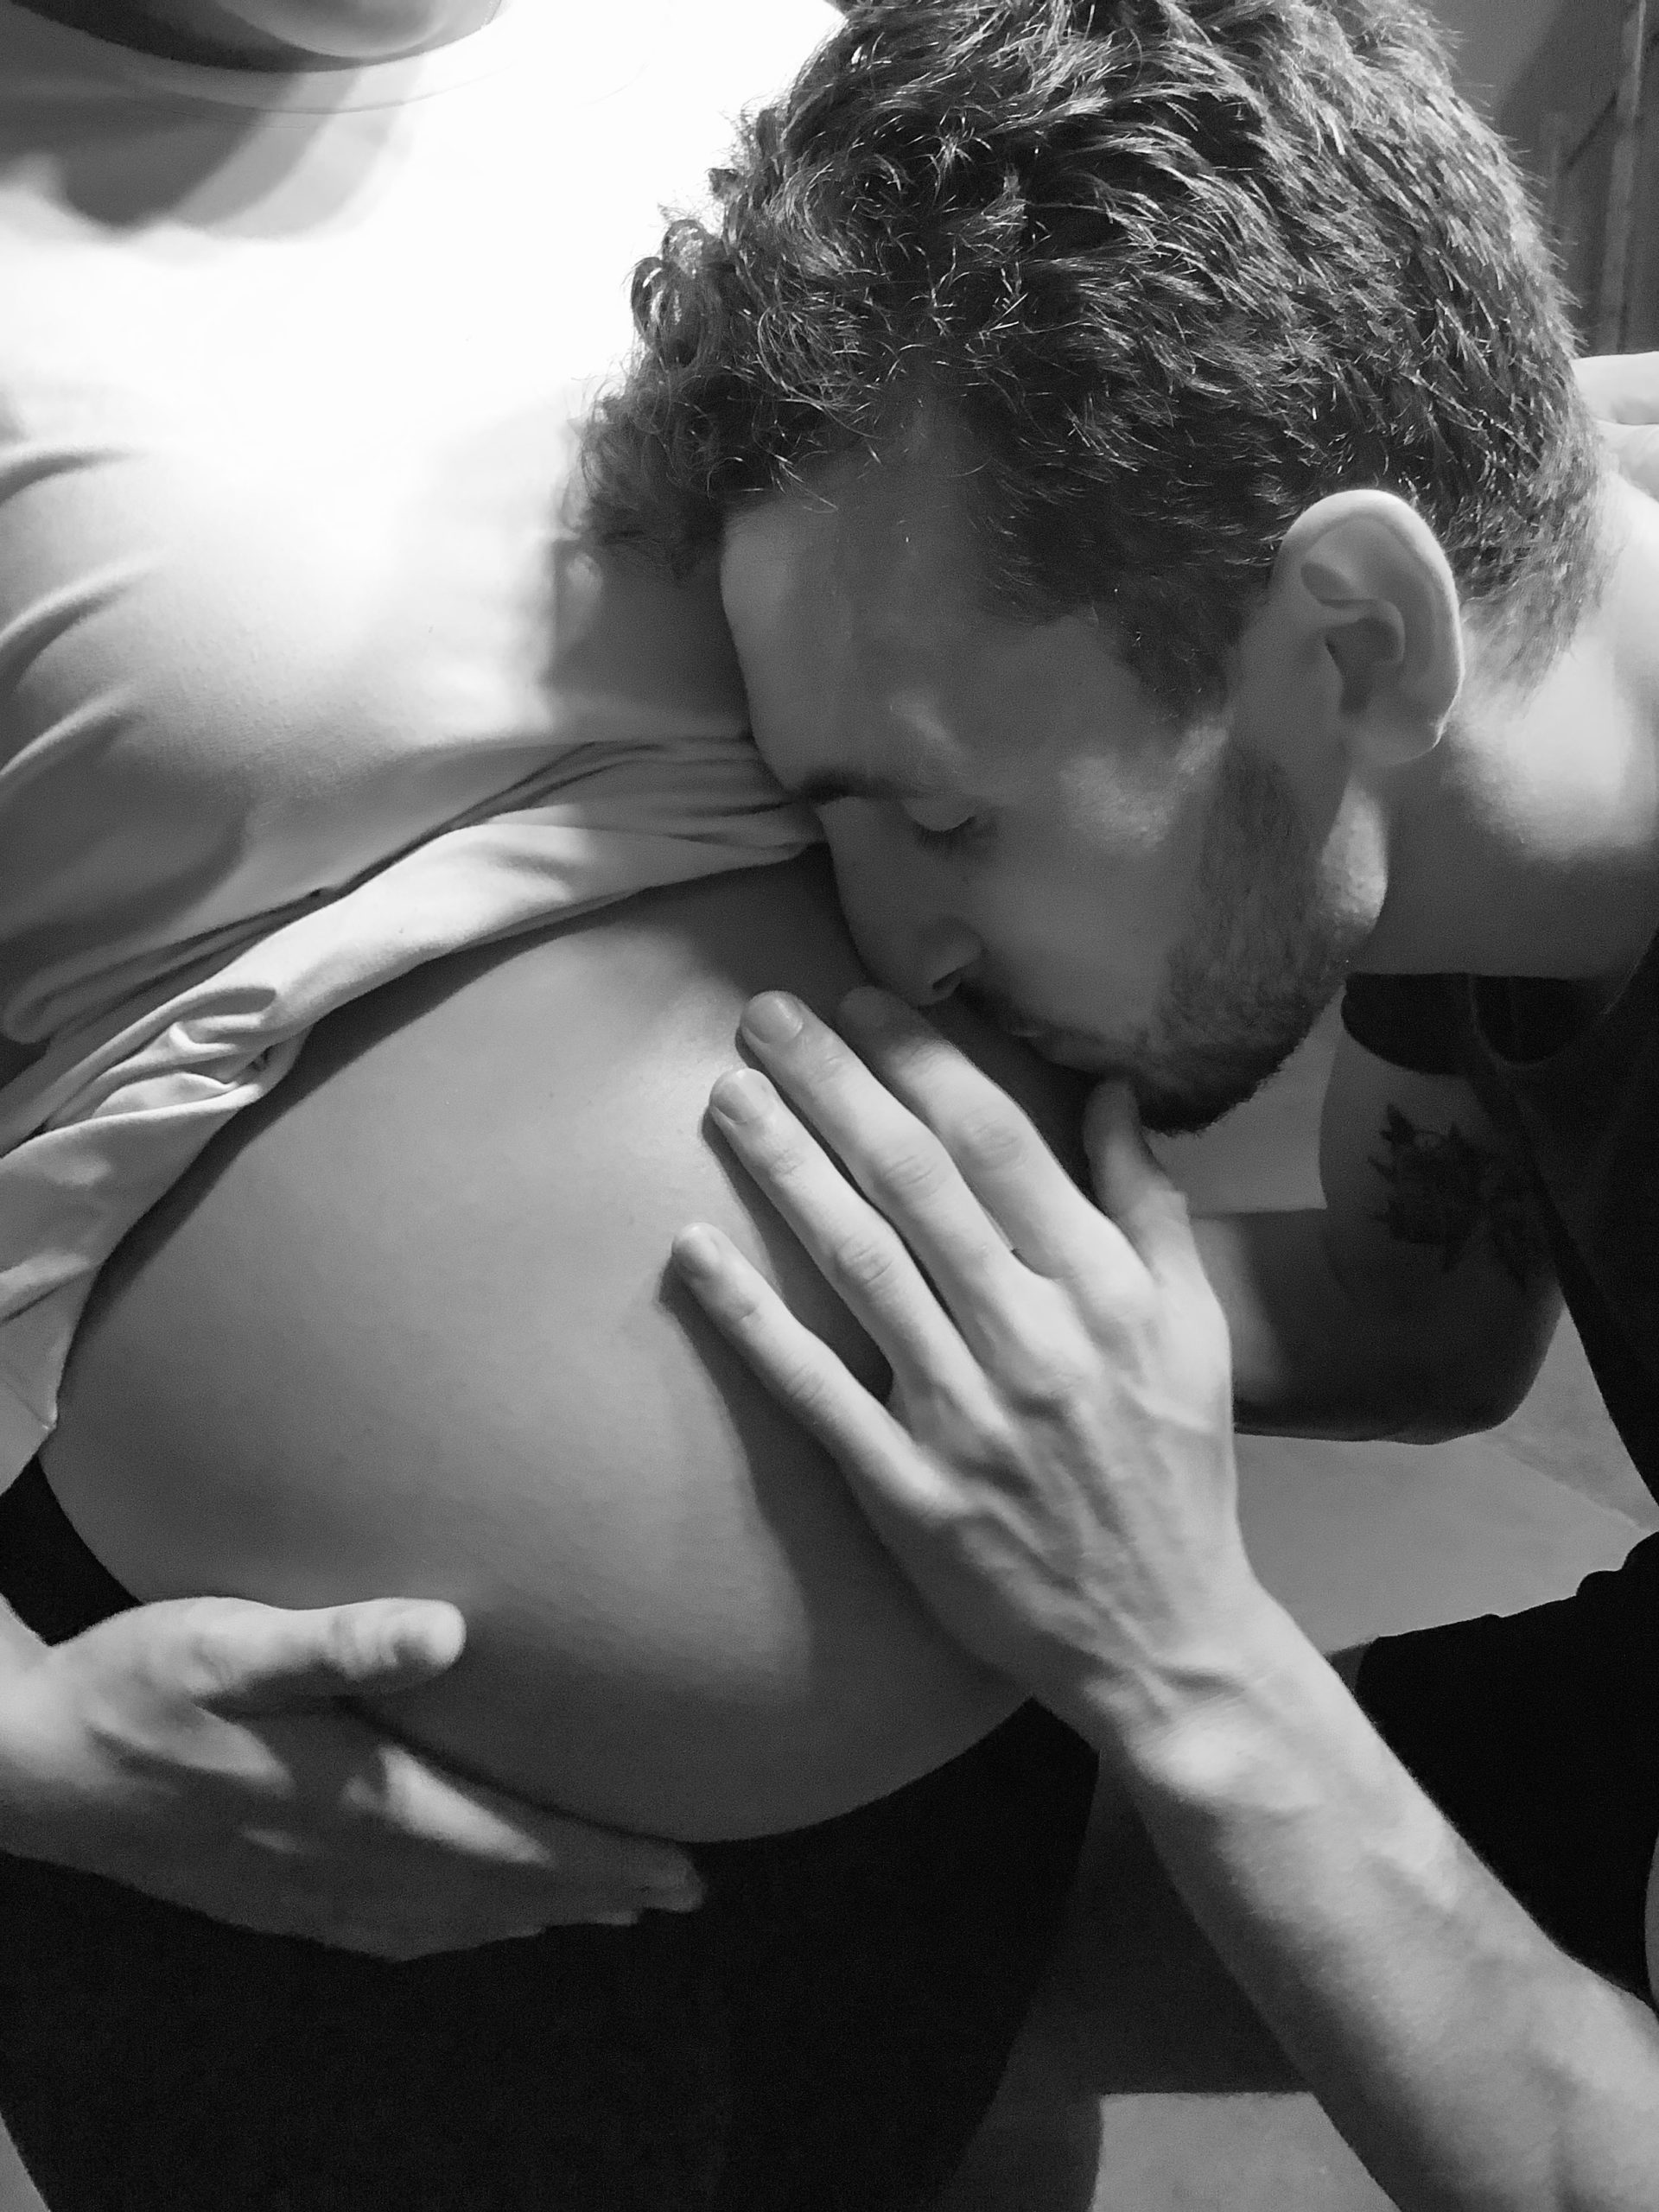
(262, 1659)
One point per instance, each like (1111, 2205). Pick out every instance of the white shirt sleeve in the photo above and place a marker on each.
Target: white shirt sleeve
(171, 956)
(303, 680)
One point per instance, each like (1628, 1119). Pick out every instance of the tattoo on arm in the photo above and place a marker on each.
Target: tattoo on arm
(1445, 1192)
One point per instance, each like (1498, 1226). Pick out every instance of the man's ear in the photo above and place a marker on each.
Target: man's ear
(1362, 634)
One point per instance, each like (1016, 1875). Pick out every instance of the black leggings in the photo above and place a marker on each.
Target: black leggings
(824, 2035)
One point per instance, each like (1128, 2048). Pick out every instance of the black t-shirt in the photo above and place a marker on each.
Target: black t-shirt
(1579, 1103)
(1538, 1733)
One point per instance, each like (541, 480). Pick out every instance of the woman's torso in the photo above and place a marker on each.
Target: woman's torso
(407, 1327)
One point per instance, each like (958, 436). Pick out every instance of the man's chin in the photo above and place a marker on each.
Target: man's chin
(1077, 1053)
(1171, 1102)
(1168, 1113)
(1186, 1104)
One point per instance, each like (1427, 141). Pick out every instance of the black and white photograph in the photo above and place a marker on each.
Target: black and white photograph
(829, 1105)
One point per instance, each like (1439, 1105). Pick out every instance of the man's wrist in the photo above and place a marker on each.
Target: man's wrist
(1169, 1714)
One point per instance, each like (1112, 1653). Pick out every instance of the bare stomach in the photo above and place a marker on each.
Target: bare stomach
(407, 1327)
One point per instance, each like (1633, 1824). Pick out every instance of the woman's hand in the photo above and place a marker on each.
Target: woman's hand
(1054, 1468)
(204, 1750)
(1622, 392)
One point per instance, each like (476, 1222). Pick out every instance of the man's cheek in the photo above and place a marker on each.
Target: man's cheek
(874, 901)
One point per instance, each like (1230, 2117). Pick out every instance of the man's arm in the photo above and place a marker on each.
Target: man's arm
(1418, 1301)
(1468, 2060)
(1055, 1471)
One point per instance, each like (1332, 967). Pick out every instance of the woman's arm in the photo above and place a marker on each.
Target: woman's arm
(203, 1751)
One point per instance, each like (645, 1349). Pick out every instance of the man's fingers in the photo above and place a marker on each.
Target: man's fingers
(859, 1253)
(799, 1368)
(1131, 1186)
(904, 1500)
(1001, 1157)
(236, 1657)
(897, 1160)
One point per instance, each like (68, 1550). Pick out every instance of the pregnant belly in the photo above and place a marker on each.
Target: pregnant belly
(407, 1327)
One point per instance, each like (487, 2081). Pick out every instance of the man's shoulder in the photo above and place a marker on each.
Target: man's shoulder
(1416, 1022)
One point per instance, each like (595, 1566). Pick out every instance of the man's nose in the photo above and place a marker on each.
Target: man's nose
(938, 960)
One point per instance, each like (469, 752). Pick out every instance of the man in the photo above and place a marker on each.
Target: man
(1161, 534)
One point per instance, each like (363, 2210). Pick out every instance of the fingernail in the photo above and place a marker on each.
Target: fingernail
(773, 1018)
(437, 1631)
(741, 1097)
(696, 1251)
(680, 1900)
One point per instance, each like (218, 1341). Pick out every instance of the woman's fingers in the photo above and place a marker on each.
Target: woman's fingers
(861, 1255)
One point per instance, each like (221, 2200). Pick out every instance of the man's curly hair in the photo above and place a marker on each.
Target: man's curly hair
(1178, 267)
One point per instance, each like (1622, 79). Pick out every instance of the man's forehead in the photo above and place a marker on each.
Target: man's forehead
(843, 600)
(876, 547)
(872, 659)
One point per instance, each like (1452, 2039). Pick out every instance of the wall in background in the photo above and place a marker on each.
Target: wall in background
(1494, 40)
(1546, 71)
(1558, 114)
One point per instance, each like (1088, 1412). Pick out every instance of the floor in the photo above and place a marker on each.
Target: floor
(1143, 2081)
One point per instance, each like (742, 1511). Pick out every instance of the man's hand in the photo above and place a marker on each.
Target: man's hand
(1622, 389)
(1056, 1474)
(202, 1750)
(1056, 1471)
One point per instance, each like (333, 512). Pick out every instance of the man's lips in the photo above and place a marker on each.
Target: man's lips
(1067, 1048)
(1081, 1053)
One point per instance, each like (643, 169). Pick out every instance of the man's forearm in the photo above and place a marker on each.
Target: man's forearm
(1061, 1484)
(1469, 2062)
(1309, 1359)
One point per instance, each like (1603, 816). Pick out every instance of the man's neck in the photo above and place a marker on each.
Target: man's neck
(199, 31)
(1528, 842)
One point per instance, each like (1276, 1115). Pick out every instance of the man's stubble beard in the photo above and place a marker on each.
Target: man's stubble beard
(1262, 960)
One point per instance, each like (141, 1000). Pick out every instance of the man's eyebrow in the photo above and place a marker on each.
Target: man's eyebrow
(852, 782)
